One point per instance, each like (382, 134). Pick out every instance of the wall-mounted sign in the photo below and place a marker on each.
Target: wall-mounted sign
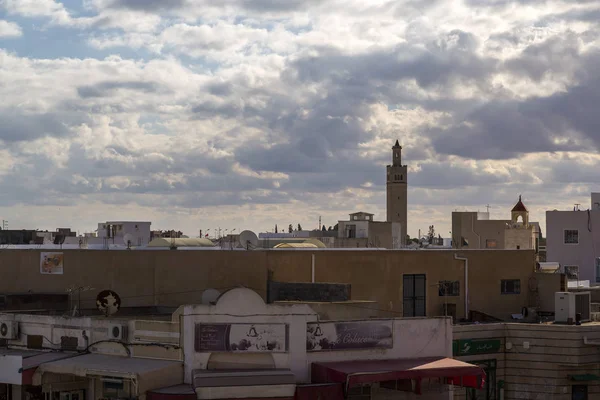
(51, 263)
(349, 335)
(468, 347)
(252, 338)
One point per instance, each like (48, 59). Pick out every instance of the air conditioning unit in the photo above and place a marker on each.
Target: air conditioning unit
(568, 304)
(9, 330)
(117, 332)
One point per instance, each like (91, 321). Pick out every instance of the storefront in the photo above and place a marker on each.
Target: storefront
(98, 376)
(17, 368)
(485, 349)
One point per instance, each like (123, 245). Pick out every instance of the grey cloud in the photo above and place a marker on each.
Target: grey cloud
(105, 89)
(558, 54)
(148, 5)
(17, 126)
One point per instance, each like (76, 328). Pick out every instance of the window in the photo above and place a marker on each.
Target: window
(571, 236)
(510, 286)
(414, 295)
(579, 392)
(491, 244)
(449, 288)
(597, 270)
(572, 272)
(401, 177)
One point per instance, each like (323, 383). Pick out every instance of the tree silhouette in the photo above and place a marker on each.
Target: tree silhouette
(290, 229)
(276, 228)
(299, 227)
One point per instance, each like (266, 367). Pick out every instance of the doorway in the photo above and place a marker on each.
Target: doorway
(489, 390)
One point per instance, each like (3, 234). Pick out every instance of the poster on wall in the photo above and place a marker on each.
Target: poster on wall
(51, 263)
(251, 338)
(349, 335)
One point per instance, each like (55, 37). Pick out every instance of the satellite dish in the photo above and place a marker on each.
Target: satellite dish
(210, 296)
(128, 239)
(108, 302)
(248, 240)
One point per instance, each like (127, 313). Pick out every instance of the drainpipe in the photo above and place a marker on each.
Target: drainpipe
(313, 268)
(466, 260)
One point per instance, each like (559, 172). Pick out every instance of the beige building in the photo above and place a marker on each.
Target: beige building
(362, 231)
(531, 361)
(497, 282)
(475, 230)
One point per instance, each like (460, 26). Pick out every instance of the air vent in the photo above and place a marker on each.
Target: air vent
(9, 330)
(69, 343)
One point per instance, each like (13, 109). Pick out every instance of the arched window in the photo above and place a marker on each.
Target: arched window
(401, 177)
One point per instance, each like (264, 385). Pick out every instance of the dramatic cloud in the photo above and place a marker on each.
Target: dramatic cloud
(248, 113)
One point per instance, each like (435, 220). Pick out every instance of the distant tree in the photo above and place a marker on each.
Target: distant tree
(290, 228)
(324, 229)
(335, 227)
(299, 227)
(330, 228)
(431, 234)
(276, 228)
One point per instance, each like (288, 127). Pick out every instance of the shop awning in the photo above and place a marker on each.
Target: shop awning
(354, 373)
(244, 384)
(18, 366)
(148, 373)
(584, 377)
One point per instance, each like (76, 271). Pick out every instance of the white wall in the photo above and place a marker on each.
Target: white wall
(419, 337)
(582, 254)
(362, 228)
(140, 231)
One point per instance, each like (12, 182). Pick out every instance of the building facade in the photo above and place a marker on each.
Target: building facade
(241, 347)
(531, 361)
(133, 233)
(89, 358)
(475, 230)
(397, 191)
(573, 241)
(361, 230)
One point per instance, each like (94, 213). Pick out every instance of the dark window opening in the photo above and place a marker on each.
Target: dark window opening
(510, 286)
(449, 288)
(414, 295)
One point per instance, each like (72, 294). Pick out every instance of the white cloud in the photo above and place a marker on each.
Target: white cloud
(246, 114)
(9, 29)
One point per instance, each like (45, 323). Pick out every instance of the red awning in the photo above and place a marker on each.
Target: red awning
(354, 373)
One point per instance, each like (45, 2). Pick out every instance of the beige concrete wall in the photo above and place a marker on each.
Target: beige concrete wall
(547, 285)
(172, 278)
(538, 358)
(476, 232)
(524, 238)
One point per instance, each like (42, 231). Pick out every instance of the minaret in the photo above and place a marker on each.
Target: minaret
(397, 191)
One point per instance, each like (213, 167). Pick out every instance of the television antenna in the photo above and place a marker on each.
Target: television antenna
(77, 307)
(487, 206)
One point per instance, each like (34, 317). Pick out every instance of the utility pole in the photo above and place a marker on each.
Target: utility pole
(488, 208)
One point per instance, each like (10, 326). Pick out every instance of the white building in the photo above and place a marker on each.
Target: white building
(573, 240)
(242, 347)
(137, 233)
(87, 358)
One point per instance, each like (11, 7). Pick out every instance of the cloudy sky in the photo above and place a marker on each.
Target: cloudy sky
(241, 114)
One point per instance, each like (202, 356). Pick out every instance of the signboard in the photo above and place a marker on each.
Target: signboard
(349, 335)
(469, 347)
(51, 263)
(251, 338)
(10, 370)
